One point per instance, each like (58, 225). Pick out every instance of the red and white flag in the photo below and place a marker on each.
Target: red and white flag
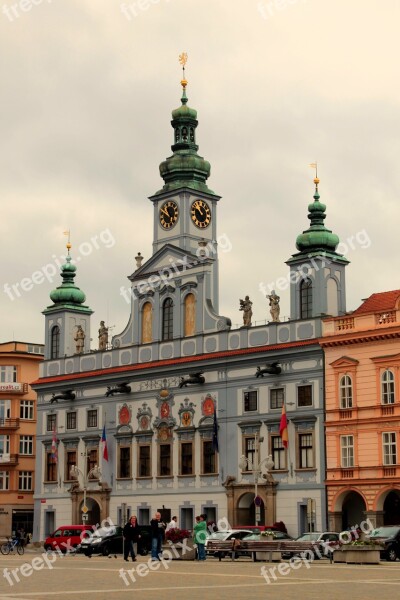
(104, 444)
(54, 450)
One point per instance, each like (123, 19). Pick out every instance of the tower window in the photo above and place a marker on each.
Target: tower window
(168, 320)
(306, 299)
(177, 135)
(191, 134)
(55, 342)
(184, 134)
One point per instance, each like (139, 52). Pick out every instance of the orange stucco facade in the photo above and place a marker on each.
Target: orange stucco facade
(19, 365)
(362, 386)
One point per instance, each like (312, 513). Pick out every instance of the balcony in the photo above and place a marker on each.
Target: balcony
(389, 471)
(345, 413)
(347, 473)
(386, 317)
(387, 410)
(9, 423)
(344, 324)
(9, 459)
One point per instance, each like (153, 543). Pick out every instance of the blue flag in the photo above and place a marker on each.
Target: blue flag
(215, 431)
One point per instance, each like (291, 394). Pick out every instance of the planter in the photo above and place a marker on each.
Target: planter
(188, 552)
(269, 556)
(361, 555)
(339, 556)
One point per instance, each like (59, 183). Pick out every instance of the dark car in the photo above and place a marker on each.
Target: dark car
(109, 540)
(389, 537)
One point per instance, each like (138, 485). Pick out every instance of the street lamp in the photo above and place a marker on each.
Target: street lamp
(76, 472)
(255, 466)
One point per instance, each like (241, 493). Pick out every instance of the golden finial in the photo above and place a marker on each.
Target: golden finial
(315, 166)
(183, 60)
(69, 245)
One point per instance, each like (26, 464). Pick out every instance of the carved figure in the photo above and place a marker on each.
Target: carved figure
(121, 388)
(80, 340)
(230, 480)
(103, 336)
(193, 379)
(271, 369)
(246, 307)
(68, 395)
(275, 308)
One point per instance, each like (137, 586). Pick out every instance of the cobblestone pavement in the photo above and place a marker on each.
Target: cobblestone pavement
(102, 578)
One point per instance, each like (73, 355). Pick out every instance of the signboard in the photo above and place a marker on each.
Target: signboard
(43, 501)
(84, 509)
(258, 514)
(258, 501)
(85, 518)
(14, 388)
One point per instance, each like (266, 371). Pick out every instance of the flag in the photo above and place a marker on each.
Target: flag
(54, 451)
(104, 444)
(215, 431)
(283, 431)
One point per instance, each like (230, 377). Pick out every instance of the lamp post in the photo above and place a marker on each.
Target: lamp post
(77, 472)
(255, 466)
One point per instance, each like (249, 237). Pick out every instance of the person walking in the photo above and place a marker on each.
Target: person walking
(131, 535)
(157, 536)
(200, 534)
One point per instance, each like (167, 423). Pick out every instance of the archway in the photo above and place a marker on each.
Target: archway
(391, 508)
(353, 510)
(246, 510)
(93, 513)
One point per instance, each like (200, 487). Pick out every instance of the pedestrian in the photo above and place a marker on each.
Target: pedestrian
(131, 535)
(157, 536)
(200, 535)
(173, 524)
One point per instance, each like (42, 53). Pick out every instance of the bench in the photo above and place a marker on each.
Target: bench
(234, 547)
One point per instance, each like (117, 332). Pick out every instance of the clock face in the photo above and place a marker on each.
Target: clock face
(200, 213)
(169, 213)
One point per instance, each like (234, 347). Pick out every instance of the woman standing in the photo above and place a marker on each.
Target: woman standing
(131, 536)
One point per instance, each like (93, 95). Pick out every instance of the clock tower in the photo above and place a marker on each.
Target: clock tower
(175, 293)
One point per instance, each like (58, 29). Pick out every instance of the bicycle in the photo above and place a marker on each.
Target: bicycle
(10, 545)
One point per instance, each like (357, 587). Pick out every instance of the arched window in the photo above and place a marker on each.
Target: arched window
(147, 323)
(306, 299)
(55, 342)
(190, 315)
(346, 392)
(167, 319)
(387, 387)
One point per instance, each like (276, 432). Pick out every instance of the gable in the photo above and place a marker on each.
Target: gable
(343, 362)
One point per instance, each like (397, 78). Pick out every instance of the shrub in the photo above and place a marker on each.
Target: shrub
(177, 535)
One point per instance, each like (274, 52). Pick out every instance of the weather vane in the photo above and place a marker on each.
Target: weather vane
(315, 166)
(183, 60)
(69, 245)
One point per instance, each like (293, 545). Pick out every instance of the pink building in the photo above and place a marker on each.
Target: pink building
(362, 382)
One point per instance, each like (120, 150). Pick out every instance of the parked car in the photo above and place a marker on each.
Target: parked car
(389, 537)
(229, 534)
(256, 537)
(66, 537)
(105, 541)
(320, 540)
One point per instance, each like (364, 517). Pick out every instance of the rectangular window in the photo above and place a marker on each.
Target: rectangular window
(306, 451)
(165, 460)
(249, 452)
(124, 471)
(26, 444)
(5, 410)
(4, 480)
(209, 458)
(26, 409)
(389, 448)
(186, 458)
(276, 397)
(144, 469)
(8, 374)
(304, 395)
(92, 418)
(4, 444)
(25, 479)
(51, 467)
(347, 451)
(71, 420)
(92, 462)
(250, 401)
(70, 461)
(51, 422)
(278, 452)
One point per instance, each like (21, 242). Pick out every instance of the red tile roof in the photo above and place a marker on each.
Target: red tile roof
(379, 303)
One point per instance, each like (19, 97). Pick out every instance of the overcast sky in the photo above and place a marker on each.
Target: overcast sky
(86, 99)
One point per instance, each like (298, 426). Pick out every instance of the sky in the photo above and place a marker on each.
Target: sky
(87, 90)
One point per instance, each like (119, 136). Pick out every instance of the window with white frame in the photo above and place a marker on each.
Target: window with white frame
(4, 480)
(71, 420)
(92, 418)
(26, 408)
(8, 374)
(25, 480)
(387, 387)
(5, 410)
(276, 397)
(278, 452)
(4, 444)
(389, 448)
(26, 444)
(250, 400)
(51, 423)
(249, 443)
(346, 392)
(306, 450)
(347, 451)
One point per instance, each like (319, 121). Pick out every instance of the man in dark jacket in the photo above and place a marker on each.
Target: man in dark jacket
(157, 536)
(131, 535)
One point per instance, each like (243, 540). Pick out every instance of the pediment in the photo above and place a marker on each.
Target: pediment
(170, 258)
(343, 362)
